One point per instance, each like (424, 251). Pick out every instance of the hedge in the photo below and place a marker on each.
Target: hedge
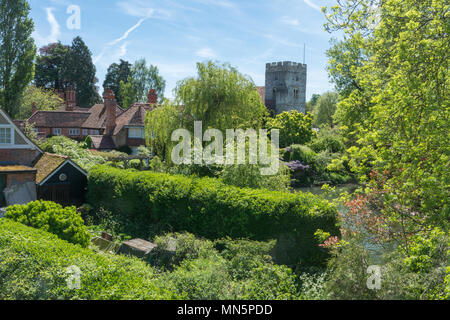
(33, 266)
(143, 202)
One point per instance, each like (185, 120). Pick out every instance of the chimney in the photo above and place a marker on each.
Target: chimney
(33, 108)
(110, 105)
(70, 99)
(152, 97)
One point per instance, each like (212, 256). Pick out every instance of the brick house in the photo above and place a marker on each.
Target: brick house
(109, 126)
(23, 164)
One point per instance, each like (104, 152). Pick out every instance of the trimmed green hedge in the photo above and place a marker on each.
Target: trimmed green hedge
(33, 265)
(143, 202)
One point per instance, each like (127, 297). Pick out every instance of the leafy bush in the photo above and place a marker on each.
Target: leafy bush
(294, 126)
(66, 223)
(327, 139)
(77, 151)
(33, 265)
(209, 208)
(300, 153)
(232, 269)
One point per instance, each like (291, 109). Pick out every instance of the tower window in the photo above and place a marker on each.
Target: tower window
(296, 93)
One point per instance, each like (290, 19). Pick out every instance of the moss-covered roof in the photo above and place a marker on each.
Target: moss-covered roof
(47, 164)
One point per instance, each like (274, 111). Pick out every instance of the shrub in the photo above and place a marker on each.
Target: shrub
(66, 223)
(327, 139)
(209, 208)
(300, 153)
(295, 127)
(33, 265)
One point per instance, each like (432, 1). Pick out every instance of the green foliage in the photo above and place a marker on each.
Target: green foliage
(44, 99)
(249, 176)
(33, 266)
(49, 66)
(141, 79)
(210, 208)
(225, 269)
(115, 74)
(325, 109)
(294, 126)
(66, 223)
(79, 71)
(17, 53)
(219, 96)
(301, 153)
(327, 139)
(397, 117)
(76, 151)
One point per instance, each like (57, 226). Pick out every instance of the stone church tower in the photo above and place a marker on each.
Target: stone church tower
(285, 88)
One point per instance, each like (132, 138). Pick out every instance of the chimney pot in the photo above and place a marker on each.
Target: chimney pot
(152, 97)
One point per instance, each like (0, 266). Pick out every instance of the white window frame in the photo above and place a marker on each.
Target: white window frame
(11, 131)
(135, 136)
(74, 132)
(57, 131)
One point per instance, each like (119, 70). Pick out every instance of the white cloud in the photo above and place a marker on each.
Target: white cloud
(55, 30)
(313, 5)
(206, 53)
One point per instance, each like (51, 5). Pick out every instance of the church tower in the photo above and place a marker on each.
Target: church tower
(285, 88)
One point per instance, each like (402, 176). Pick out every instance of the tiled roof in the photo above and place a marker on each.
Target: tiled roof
(102, 142)
(133, 116)
(16, 168)
(97, 117)
(59, 119)
(47, 164)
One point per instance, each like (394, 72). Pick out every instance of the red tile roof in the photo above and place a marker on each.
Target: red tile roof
(133, 116)
(59, 119)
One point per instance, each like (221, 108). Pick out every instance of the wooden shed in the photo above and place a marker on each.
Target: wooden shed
(60, 180)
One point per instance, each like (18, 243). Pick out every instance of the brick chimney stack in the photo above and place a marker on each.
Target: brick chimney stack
(110, 105)
(70, 99)
(33, 107)
(152, 97)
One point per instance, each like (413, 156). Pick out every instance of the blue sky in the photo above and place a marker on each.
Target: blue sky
(176, 34)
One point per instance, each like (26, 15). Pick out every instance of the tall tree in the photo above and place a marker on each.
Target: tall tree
(17, 52)
(325, 109)
(45, 99)
(142, 78)
(117, 73)
(402, 99)
(49, 66)
(79, 70)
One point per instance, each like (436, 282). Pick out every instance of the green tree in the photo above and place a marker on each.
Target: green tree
(312, 103)
(295, 127)
(325, 109)
(220, 97)
(17, 53)
(117, 73)
(142, 78)
(43, 98)
(79, 70)
(49, 66)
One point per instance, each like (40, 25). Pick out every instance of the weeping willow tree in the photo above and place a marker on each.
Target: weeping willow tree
(219, 96)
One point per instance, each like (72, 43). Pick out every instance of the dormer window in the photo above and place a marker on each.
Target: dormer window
(6, 135)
